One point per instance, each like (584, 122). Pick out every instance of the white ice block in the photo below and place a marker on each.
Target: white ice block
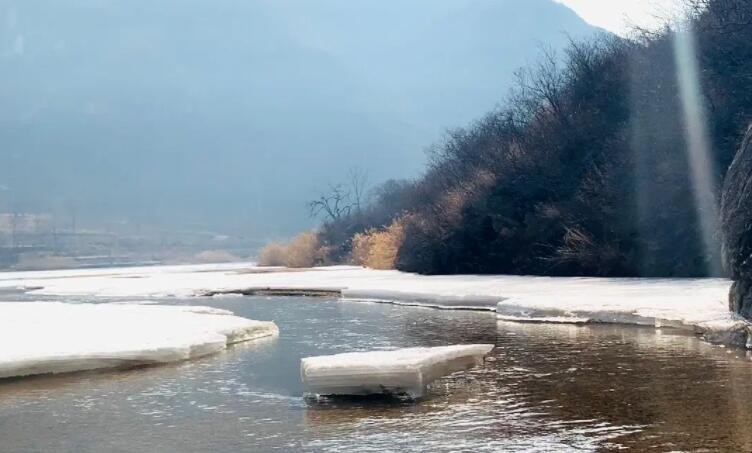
(53, 337)
(402, 371)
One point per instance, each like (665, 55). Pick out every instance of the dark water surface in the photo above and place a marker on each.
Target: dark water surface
(545, 388)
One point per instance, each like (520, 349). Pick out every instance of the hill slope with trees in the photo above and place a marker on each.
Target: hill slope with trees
(584, 170)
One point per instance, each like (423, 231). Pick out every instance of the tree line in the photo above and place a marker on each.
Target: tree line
(582, 170)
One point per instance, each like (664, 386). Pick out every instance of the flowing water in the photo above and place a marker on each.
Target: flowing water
(545, 388)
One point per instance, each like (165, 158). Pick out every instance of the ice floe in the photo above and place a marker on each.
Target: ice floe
(54, 337)
(399, 372)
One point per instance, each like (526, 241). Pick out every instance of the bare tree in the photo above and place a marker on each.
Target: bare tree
(333, 206)
(358, 187)
(342, 199)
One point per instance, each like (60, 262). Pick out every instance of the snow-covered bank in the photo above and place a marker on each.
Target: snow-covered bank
(53, 337)
(696, 304)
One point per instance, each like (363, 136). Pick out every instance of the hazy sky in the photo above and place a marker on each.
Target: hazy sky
(228, 116)
(619, 16)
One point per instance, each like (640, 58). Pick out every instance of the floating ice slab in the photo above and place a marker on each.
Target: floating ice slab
(403, 371)
(53, 337)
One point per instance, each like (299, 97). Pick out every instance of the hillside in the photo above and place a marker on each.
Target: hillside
(228, 115)
(605, 163)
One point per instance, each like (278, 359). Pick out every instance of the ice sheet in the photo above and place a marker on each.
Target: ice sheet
(53, 337)
(696, 304)
(402, 371)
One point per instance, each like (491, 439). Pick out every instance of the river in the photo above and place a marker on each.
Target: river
(544, 388)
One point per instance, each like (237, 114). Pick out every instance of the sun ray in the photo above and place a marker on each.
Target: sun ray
(698, 145)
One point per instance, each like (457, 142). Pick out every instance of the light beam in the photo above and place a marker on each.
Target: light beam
(702, 171)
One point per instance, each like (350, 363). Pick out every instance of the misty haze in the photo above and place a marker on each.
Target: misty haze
(189, 117)
(375, 225)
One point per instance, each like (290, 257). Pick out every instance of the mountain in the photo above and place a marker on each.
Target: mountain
(228, 115)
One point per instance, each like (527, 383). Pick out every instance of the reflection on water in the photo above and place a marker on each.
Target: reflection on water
(545, 388)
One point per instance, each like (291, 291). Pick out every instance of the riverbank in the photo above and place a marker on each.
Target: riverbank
(697, 305)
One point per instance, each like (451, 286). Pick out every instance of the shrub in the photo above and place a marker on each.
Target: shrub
(272, 254)
(361, 247)
(304, 250)
(378, 249)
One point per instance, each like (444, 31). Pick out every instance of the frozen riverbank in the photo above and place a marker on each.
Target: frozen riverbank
(53, 337)
(699, 305)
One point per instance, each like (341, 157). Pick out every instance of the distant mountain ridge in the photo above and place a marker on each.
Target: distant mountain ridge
(229, 115)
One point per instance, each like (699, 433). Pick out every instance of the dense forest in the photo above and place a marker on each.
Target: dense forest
(586, 168)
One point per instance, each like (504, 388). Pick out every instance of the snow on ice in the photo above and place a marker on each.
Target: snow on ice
(398, 372)
(693, 304)
(54, 337)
